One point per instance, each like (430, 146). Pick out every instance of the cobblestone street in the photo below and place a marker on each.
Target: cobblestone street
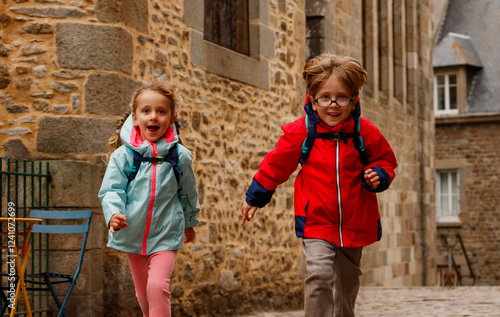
(420, 301)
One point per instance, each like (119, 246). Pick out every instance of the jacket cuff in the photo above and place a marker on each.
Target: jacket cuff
(385, 180)
(257, 195)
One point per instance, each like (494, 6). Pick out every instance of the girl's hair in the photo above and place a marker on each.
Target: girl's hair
(347, 70)
(162, 88)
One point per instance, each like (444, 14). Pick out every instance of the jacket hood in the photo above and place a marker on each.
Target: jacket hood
(131, 137)
(316, 119)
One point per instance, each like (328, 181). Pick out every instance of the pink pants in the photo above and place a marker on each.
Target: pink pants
(151, 275)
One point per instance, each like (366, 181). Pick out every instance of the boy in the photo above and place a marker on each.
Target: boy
(336, 210)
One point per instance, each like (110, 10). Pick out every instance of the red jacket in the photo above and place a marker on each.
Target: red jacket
(331, 200)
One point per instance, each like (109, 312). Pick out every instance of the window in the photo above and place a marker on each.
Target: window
(447, 196)
(445, 94)
(249, 24)
(226, 24)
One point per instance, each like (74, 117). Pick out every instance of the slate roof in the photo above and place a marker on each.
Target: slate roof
(480, 20)
(455, 49)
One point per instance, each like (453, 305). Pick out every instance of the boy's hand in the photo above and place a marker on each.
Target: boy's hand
(371, 178)
(247, 211)
(189, 235)
(117, 222)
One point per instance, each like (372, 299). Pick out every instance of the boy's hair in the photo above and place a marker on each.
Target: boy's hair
(162, 88)
(347, 70)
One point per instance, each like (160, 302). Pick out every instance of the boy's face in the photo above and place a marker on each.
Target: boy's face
(333, 89)
(153, 115)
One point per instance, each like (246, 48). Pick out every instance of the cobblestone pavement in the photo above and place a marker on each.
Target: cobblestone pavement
(420, 301)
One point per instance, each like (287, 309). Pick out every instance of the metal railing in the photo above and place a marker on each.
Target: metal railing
(25, 185)
(452, 263)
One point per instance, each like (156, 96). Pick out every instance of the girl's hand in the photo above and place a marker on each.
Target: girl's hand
(117, 222)
(247, 211)
(189, 235)
(371, 178)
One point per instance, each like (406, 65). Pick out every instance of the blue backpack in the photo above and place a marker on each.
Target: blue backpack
(172, 158)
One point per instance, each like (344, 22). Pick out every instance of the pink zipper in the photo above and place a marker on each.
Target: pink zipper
(150, 209)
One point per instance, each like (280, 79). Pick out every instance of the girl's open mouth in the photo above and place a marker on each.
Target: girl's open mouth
(333, 114)
(153, 128)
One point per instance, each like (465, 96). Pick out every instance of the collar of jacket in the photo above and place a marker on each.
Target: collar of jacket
(131, 137)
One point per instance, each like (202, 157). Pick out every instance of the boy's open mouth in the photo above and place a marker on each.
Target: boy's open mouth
(153, 128)
(333, 114)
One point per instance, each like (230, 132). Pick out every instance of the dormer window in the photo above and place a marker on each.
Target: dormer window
(445, 93)
(455, 63)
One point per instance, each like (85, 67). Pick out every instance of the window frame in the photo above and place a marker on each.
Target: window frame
(226, 62)
(448, 216)
(447, 86)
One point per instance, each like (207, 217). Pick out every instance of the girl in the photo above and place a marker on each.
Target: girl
(336, 210)
(149, 214)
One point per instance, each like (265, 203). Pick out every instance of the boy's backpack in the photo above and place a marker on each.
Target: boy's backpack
(172, 158)
(312, 135)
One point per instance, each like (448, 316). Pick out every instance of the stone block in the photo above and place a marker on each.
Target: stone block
(23, 83)
(16, 131)
(66, 262)
(4, 50)
(65, 134)
(4, 19)
(83, 306)
(50, 12)
(4, 75)
(62, 87)
(109, 94)
(75, 184)
(86, 298)
(41, 105)
(84, 46)
(16, 149)
(193, 16)
(119, 292)
(37, 28)
(132, 13)
(197, 49)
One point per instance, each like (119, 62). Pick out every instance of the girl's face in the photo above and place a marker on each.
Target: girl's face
(333, 89)
(153, 115)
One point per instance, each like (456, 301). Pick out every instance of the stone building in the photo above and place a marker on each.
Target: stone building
(467, 110)
(67, 72)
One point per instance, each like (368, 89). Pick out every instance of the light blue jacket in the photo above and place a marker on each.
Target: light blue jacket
(156, 207)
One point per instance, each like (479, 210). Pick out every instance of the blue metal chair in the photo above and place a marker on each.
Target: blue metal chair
(49, 278)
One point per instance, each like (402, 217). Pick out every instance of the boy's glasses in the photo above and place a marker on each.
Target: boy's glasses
(325, 101)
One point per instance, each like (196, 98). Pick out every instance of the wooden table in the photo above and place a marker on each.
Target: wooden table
(21, 254)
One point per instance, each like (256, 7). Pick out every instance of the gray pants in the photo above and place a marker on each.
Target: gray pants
(329, 266)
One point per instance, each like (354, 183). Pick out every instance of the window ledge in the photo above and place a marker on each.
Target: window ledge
(468, 119)
(449, 224)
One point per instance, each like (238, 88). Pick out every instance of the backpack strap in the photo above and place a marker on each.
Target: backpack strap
(312, 135)
(172, 158)
(358, 142)
(136, 163)
(309, 141)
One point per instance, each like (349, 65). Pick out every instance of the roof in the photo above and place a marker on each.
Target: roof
(477, 20)
(455, 49)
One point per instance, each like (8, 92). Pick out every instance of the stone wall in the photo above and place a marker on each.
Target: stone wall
(472, 149)
(67, 71)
